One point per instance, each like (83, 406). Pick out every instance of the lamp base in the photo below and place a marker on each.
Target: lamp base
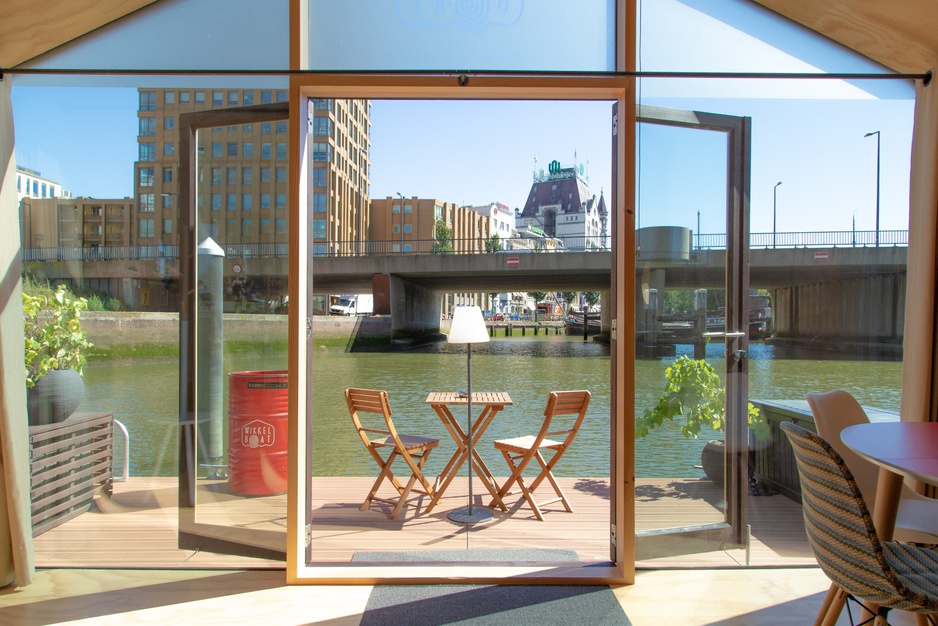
(473, 516)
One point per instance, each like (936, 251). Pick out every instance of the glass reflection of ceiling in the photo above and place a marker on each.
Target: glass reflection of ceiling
(179, 35)
(739, 36)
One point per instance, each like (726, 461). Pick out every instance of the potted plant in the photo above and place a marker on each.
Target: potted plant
(694, 393)
(54, 354)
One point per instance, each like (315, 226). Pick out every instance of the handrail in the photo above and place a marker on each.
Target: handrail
(125, 475)
(508, 245)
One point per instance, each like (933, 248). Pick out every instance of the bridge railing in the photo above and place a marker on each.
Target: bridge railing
(514, 245)
(814, 239)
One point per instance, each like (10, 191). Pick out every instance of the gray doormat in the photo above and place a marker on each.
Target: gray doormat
(535, 605)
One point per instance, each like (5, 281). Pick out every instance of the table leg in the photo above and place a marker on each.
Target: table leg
(455, 461)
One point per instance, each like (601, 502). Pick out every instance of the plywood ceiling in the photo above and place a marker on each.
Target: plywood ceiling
(900, 34)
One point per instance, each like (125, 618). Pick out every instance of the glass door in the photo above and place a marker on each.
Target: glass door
(233, 188)
(691, 337)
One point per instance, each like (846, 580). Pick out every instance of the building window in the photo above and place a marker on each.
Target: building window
(265, 150)
(408, 208)
(281, 150)
(247, 202)
(148, 151)
(266, 128)
(169, 149)
(282, 96)
(147, 126)
(408, 228)
(245, 228)
(247, 176)
(265, 200)
(169, 97)
(319, 249)
(437, 212)
(266, 97)
(319, 229)
(323, 104)
(319, 203)
(280, 225)
(200, 97)
(232, 203)
(322, 127)
(248, 150)
(232, 149)
(183, 97)
(146, 177)
(216, 202)
(319, 177)
(396, 229)
(282, 127)
(396, 209)
(146, 228)
(147, 202)
(147, 100)
(216, 175)
(231, 228)
(265, 226)
(167, 226)
(248, 98)
(281, 200)
(265, 174)
(231, 176)
(169, 123)
(408, 247)
(322, 151)
(217, 150)
(232, 98)
(167, 201)
(218, 98)
(281, 174)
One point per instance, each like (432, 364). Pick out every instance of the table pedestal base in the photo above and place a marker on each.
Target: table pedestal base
(465, 516)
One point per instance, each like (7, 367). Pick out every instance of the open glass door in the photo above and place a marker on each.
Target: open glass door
(692, 338)
(233, 186)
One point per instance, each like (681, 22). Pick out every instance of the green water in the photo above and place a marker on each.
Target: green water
(143, 394)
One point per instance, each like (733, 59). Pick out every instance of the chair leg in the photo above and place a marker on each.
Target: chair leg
(385, 473)
(831, 607)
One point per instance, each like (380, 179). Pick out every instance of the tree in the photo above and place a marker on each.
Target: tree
(493, 243)
(443, 239)
(591, 297)
(680, 301)
(538, 296)
(568, 298)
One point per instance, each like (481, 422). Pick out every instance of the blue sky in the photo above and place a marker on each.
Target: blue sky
(808, 134)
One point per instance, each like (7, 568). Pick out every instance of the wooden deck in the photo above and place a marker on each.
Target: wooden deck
(136, 526)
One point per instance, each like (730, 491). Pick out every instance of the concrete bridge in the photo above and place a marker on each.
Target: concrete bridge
(852, 294)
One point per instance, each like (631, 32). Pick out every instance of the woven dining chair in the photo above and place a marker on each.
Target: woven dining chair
(840, 531)
(370, 410)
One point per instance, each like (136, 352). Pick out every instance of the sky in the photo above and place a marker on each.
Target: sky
(806, 134)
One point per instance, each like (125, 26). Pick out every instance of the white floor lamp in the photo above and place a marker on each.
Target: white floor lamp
(468, 327)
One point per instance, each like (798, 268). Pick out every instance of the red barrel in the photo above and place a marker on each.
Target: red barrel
(257, 432)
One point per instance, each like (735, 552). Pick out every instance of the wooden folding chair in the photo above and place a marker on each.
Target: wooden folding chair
(412, 449)
(520, 451)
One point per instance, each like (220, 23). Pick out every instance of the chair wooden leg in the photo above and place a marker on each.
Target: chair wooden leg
(831, 607)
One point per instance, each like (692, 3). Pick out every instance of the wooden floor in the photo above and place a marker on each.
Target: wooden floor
(137, 526)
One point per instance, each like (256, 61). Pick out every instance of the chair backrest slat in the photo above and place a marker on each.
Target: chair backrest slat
(564, 403)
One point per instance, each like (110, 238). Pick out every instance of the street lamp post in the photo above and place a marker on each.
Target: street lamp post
(774, 209)
(870, 134)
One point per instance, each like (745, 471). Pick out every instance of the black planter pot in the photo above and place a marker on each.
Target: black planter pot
(54, 397)
(711, 459)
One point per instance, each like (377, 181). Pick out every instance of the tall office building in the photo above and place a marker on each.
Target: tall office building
(243, 170)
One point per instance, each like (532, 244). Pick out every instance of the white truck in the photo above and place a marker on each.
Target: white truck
(353, 304)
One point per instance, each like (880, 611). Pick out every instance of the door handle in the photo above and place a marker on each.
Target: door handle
(722, 334)
(739, 355)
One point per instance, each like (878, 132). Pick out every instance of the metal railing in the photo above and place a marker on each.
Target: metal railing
(514, 245)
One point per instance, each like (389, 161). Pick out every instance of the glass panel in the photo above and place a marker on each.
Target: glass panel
(353, 348)
(505, 35)
(212, 34)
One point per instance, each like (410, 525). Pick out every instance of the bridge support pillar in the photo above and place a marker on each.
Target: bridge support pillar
(415, 314)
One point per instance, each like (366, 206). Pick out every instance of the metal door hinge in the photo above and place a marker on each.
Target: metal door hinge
(309, 328)
(309, 535)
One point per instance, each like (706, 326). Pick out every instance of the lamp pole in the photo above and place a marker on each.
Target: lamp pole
(401, 251)
(774, 209)
(870, 134)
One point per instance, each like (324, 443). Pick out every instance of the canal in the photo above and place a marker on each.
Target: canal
(143, 394)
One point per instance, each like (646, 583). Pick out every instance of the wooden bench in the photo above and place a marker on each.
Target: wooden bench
(70, 463)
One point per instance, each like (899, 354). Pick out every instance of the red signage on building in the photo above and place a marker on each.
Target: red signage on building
(822, 256)
(513, 261)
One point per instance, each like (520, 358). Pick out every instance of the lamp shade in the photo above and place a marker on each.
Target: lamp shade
(467, 326)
